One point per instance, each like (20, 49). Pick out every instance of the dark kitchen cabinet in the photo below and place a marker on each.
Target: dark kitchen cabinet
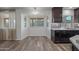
(76, 15)
(62, 36)
(57, 14)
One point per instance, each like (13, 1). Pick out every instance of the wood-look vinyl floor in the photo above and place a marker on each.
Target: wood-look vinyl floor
(33, 44)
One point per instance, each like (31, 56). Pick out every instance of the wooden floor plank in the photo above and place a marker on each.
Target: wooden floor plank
(37, 43)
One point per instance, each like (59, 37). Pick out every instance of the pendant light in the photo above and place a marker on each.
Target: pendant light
(35, 11)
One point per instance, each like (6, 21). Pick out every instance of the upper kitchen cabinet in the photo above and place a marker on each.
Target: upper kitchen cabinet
(57, 14)
(76, 15)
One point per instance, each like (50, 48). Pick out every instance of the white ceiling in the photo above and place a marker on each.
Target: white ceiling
(70, 7)
(41, 8)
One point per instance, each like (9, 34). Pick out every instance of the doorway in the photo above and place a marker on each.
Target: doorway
(38, 26)
(7, 25)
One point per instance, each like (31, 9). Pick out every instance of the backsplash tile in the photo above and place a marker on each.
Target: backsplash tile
(76, 25)
(56, 25)
(65, 25)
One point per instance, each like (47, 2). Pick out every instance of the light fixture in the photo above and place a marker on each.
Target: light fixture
(35, 11)
(14, 21)
(7, 21)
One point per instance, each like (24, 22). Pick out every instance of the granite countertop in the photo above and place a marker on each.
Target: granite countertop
(73, 40)
(64, 28)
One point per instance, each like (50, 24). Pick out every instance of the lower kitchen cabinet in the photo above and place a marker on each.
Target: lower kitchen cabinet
(11, 34)
(7, 34)
(62, 36)
(3, 34)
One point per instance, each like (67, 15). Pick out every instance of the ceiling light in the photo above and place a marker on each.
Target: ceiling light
(7, 20)
(35, 11)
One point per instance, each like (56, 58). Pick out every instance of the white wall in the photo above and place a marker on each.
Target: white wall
(49, 22)
(24, 30)
(18, 24)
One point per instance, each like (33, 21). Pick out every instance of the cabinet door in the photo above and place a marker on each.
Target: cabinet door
(4, 34)
(76, 15)
(62, 36)
(12, 34)
(52, 35)
(57, 14)
(57, 19)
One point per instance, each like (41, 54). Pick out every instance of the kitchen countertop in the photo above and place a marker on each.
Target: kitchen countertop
(73, 40)
(6, 28)
(64, 29)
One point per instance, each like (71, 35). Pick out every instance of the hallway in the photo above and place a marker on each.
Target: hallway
(37, 43)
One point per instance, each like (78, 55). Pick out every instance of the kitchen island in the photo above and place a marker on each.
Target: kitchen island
(75, 43)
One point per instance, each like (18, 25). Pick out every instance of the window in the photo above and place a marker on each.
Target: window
(6, 22)
(36, 21)
(68, 19)
(25, 23)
